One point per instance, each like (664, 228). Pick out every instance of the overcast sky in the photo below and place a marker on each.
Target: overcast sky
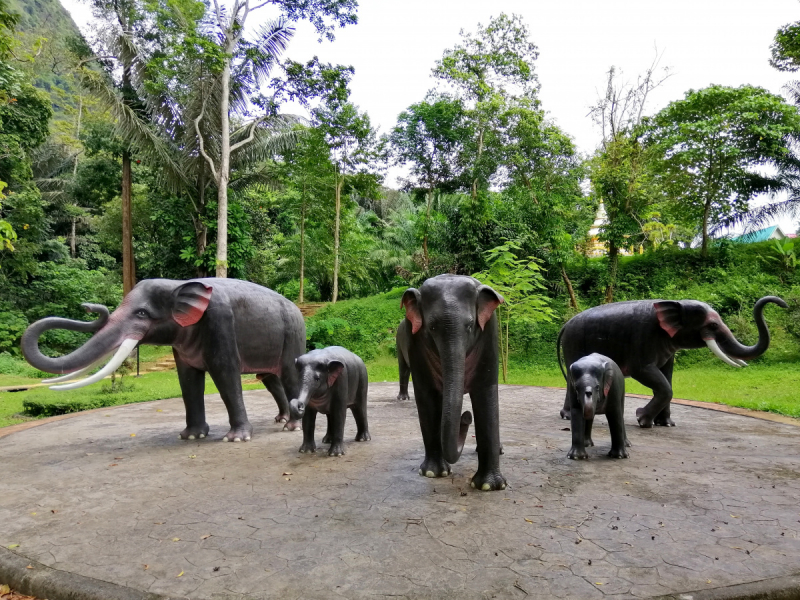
(703, 42)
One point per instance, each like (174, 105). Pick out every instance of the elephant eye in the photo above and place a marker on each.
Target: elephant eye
(316, 377)
(141, 313)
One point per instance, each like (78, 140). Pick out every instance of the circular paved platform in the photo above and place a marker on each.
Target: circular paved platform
(712, 503)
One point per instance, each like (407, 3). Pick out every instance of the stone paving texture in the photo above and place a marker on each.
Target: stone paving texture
(114, 495)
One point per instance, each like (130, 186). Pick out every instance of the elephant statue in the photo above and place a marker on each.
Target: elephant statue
(331, 380)
(225, 327)
(449, 341)
(642, 337)
(596, 386)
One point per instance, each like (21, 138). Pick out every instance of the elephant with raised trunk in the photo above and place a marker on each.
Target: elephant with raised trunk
(643, 336)
(225, 327)
(449, 342)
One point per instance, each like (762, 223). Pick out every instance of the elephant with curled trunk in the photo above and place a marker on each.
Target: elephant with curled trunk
(225, 327)
(449, 342)
(643, 336)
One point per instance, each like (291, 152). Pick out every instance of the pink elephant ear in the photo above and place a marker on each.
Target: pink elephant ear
(608, 380)
(334, 370)
(670, 316)
(412, 301)
(488, 301)
(191, 301)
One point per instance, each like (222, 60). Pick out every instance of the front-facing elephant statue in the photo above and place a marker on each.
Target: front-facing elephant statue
(225, 327)
(643, 336)
(449, 341)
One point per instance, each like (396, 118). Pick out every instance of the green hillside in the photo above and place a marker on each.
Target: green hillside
(47, 30)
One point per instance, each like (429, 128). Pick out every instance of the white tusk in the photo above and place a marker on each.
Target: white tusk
(75, 374)
(122, 353)
(739, 361)
(712, 345)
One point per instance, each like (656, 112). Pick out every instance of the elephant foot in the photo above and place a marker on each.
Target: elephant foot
(564, 414)
(293, 425)
(326, 439)
(282, 418)
(618, 453)
(241, 433)
(308, 448)
(628, 443)
(589, 442)
(660, 421)
(196, 432)
(645, 420)
(487, 482)
(434, 468)
(363, 436)
(577, 453)
(337, 449)
(403, 396)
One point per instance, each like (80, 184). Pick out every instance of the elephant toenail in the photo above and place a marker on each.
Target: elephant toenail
(472, 484)
(430, 474)
(420, 471)
(225, 439)
(486, 487)
(202, 435)
(502, 486)
(191, 437)
(180, 437)
(236, 439)
(445, 473)
(247, 439)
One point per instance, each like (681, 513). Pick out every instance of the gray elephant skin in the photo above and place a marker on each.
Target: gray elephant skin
(332, 380)
(643, 336)
(596, 386)
(448, 341)
(225, 327)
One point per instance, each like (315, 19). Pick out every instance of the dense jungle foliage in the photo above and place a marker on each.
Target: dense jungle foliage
(162, 147)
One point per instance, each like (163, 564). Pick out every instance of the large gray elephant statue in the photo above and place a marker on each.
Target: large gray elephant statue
(643, 336)
(449, 342)
(225, 327)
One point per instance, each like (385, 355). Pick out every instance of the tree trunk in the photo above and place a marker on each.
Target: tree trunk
(200, 228)
(301, 298)
(706, 213)
(573, 301)
(613, 260)
(339, 183)
(128, 268)
(72, 243)
(425, 259)
(224, 173)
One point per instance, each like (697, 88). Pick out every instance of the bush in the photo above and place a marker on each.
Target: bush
(10, 365)
(366, 326)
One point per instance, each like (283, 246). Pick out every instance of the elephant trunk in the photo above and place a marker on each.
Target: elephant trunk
(588, 404)
(454, 425)
(81, 358)
(297, 406)
(731, 346)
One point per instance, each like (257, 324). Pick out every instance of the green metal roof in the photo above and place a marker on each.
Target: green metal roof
(760, 235)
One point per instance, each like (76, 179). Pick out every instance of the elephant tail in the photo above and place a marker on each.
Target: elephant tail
(558, 354)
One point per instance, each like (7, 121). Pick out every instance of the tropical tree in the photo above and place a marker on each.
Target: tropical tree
(715, 148)
(429, 137)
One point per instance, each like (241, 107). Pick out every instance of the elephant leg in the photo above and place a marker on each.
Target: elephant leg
(663, 418)
(487, 435)
(565, 411)
(359, 410)
(328, 431)
(405, 373)
(309, 419)
(653, 378)
(193, 384)
(229, 384)
(275, 387)
(337, 416)
(616, 426)
(429, 409)
(577, 425)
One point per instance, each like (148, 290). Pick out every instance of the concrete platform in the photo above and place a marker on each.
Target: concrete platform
(710, 508)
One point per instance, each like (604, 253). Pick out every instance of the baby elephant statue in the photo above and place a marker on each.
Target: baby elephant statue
(596, 387)
(448, 341)
(331, 380)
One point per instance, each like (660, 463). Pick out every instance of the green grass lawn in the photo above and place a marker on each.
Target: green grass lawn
(772, 387)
